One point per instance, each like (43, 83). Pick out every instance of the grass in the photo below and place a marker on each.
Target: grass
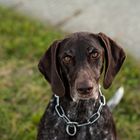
(24, 93)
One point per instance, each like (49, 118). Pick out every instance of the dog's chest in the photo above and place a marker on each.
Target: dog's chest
(58, 132)
(56, 126)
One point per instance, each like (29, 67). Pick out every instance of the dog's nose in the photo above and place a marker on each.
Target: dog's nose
(85, 87)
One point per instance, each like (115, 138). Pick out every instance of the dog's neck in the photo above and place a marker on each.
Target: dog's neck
(81, 110)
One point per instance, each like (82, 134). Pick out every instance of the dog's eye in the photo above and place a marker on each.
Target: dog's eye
(94, 55)
(67, 59)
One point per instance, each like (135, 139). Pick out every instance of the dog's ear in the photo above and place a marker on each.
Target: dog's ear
(114, 56)
(49, 68)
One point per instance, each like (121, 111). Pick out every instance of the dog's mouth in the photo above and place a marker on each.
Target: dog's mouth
(85, 96)
(76, 96)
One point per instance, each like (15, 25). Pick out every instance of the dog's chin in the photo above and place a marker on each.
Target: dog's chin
(76, 96)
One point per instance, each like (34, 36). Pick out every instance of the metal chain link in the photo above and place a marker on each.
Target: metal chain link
(73, 125)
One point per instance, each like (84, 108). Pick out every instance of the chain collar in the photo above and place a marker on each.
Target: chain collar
(71, 127)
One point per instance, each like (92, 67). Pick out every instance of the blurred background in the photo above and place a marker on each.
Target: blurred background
(28, 27)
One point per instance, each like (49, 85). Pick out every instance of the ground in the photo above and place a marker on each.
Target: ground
(24, 93)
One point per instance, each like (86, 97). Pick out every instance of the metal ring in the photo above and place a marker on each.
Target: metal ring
(103, 100)
(62, 111)
(68, 129)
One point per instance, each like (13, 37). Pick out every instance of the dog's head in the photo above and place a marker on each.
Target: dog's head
(75, 64)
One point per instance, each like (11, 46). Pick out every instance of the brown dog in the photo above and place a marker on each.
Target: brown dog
(73, 67)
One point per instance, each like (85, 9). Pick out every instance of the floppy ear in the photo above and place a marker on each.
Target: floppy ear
(114, 56)
(48, 67)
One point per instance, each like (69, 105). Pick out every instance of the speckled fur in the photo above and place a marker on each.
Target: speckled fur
(76, 80)
(52, 127)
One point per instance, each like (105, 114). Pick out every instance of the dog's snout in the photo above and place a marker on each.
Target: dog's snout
(85, 87)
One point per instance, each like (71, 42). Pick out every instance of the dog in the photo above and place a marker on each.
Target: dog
(73, 66)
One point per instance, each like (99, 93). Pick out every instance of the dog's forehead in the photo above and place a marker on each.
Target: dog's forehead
(79, 43)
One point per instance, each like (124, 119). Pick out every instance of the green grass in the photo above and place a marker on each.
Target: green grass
(24, 93)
